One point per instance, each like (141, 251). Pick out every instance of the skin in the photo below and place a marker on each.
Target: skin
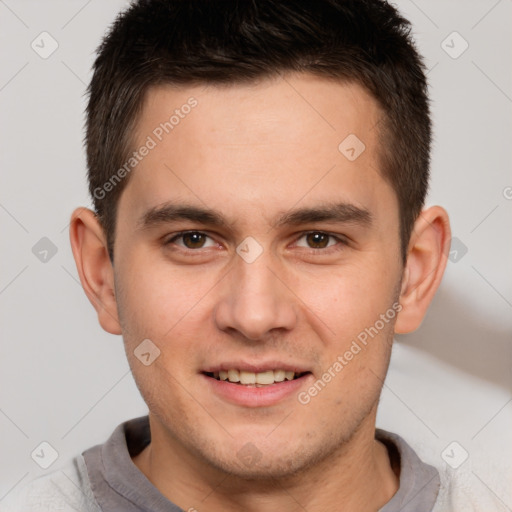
(253, 153)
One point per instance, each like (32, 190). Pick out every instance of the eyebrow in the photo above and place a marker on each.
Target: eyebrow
(330, 212)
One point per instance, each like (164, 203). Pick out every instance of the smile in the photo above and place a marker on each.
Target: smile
(253, 379)
(254, 389)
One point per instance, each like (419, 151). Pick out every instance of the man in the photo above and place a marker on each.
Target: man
(259, 172)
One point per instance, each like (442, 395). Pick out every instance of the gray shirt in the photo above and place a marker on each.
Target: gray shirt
(104, 478)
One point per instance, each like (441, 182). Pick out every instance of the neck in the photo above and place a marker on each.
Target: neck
(358, 476)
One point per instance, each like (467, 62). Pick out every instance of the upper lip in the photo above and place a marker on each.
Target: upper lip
(256, 367)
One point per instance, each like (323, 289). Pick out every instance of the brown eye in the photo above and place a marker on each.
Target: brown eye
(191, 240)
(317, 240)
(194, 240)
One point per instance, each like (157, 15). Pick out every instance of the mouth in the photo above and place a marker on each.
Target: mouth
(255, 379)
(256, 384)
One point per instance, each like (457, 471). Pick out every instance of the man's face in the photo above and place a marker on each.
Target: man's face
(266, 289)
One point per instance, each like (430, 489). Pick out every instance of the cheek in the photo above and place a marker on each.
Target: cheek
(352, 378)
(354, 314)
(349, 299)
(158, 305)
(158, 299)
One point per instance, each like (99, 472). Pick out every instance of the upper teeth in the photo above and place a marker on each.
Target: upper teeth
(268, 377)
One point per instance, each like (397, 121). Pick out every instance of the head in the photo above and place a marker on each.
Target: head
(290, 142)
(179, 43)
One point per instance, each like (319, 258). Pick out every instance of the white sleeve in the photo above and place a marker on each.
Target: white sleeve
(65, 490)
(463, 491)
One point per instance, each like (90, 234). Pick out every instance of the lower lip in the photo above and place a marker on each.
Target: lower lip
(256, 397)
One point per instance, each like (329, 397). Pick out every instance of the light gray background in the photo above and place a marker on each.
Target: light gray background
(66, 382)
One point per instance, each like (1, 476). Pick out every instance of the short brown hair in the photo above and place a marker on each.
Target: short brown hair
(190, 42)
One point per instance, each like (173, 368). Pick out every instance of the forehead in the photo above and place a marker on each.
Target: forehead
(260, 144)
(282, 109)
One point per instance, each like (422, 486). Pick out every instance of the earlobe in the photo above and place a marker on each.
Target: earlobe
(426, 263)
(94, 267)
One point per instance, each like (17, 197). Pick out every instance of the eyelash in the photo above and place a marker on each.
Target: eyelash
(311, 250)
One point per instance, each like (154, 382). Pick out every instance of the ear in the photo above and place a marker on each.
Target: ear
(426, 261)
(89, 246)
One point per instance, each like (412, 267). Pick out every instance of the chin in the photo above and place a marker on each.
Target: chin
(281, 460)
(265, 469)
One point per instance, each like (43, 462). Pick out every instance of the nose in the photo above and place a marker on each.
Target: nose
(255, 300)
